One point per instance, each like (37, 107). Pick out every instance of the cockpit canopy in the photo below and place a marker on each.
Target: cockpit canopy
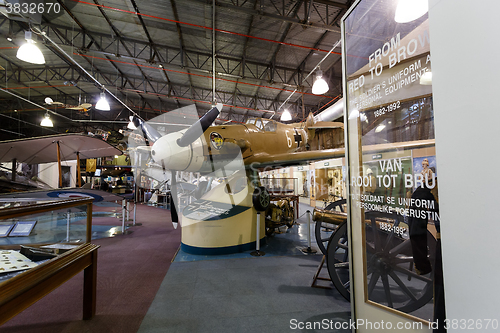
(263, 124)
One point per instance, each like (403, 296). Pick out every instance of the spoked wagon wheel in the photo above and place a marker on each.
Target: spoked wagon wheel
(323, 230)
(390, 276)
(392, 281)
(338, 260)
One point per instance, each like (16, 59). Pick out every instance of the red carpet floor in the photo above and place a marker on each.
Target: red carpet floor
(130, 271)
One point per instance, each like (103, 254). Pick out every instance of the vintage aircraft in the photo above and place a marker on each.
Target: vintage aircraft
(225, 149)
(47, 149)
(262, 142)
(83, 107)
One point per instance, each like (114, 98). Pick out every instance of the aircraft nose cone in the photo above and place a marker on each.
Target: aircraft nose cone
(161, 150)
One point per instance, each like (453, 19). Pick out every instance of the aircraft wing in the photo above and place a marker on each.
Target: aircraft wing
(287, 159)
(302, 157)
(386, 147)
(326, 125)
(44, 149)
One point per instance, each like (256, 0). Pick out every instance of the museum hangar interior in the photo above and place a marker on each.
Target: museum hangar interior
(214, 120)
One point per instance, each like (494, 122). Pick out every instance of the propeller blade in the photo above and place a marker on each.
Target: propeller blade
(148, 131)
(173, 203)
(199, 127)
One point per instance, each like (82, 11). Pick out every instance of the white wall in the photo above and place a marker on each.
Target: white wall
(49, 173)
(465, 49)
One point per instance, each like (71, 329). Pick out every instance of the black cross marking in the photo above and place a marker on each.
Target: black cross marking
(297, 137)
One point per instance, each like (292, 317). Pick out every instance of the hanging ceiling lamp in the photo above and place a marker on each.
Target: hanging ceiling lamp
(286, 116)
(46, 122)
(29, 52)
(426, 79)
(102, 104)
(409, 10)
(320, 86)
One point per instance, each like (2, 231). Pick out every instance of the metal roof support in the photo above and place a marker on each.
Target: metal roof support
(213, 54)
(33, 75)
(282, 16)
(257, 68)
(153, 52)
(181, 41)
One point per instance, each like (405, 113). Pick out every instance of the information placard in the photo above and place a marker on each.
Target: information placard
(391, 156)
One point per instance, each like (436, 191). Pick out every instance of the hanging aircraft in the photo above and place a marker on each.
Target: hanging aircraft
(82, 107)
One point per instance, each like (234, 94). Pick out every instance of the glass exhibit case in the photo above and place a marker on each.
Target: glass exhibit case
(392, 174)
(43, 243)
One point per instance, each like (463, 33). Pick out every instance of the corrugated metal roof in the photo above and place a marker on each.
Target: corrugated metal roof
(264, 50)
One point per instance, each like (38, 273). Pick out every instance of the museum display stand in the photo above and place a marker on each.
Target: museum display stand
(223, 220)
(393, 218)
(47, 257)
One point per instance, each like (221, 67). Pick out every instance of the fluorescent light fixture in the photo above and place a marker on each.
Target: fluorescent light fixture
(426, 79)
(320, 86)
(409, 10)
(353, 115)
(46, 122)
(379, 128)
(29, 52)
(286, 116)
(102, 103)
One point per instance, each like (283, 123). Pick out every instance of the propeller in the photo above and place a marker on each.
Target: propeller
(173, 194)
(149, 132)
(165, 146)
(202, 124)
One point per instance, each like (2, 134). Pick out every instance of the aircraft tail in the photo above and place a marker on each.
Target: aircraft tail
(310, 120)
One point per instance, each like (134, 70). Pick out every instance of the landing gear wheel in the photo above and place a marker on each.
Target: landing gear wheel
(391, 279)
(260, 198)
(323, 230)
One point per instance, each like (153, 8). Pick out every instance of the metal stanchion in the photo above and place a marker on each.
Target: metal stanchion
(135, 214)
(128, 210)
(124, 208)
(124, 213)
(309, 250)
(257, 252)
(67, 225)
(135, 211)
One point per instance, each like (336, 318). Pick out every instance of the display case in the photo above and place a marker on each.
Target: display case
(43, 244)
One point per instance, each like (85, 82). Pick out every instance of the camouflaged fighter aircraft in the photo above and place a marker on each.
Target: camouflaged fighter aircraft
(262, 142)
(224, 149)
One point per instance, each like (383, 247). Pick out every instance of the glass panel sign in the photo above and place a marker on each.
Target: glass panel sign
(390, 147)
